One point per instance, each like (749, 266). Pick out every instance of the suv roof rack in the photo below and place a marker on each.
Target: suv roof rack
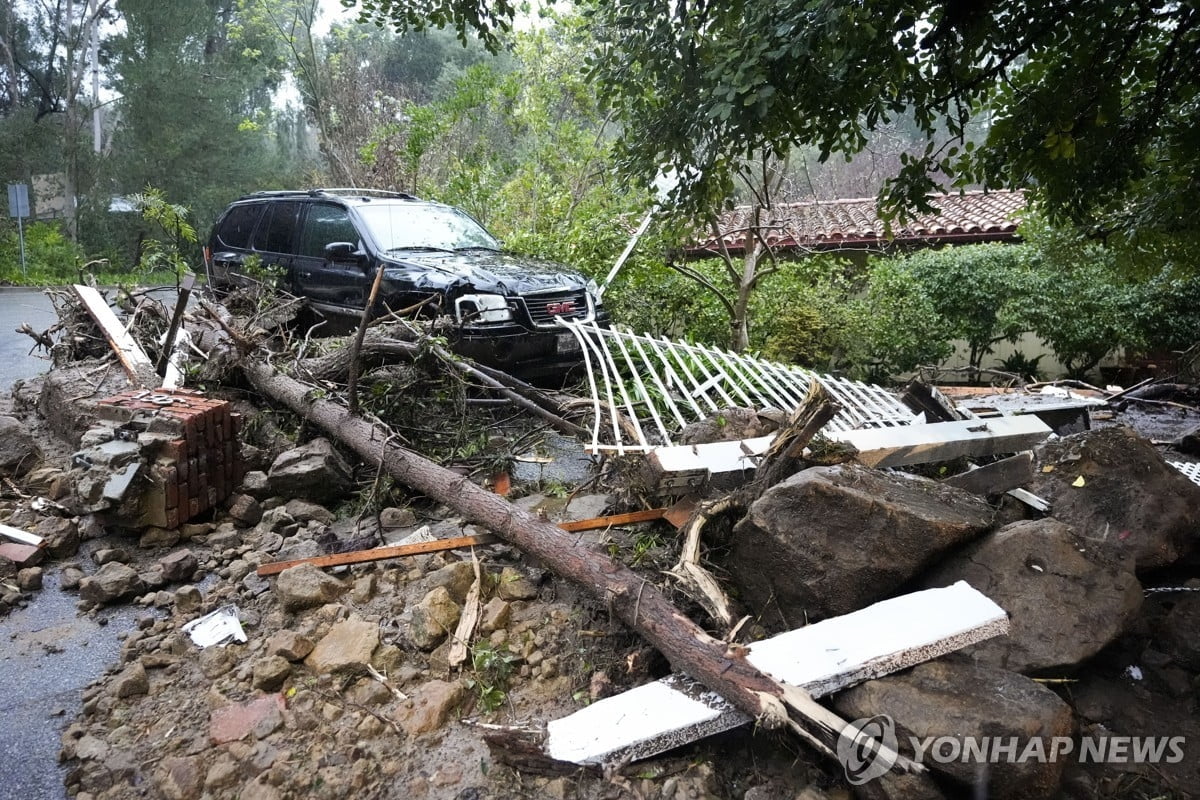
(334, 192)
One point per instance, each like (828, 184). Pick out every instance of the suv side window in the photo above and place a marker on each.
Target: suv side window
(238, 224)
(277, 231)
(324, 225)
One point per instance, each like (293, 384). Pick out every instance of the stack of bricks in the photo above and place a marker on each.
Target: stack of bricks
(191, 445)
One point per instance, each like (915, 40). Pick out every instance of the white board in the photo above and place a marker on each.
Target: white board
(821, 658)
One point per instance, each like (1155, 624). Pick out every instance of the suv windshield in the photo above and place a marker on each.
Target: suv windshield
(408, 226)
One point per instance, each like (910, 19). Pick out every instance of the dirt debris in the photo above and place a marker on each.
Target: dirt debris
(344, 685)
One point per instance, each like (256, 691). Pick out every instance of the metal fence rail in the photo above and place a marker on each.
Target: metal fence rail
(658, 386)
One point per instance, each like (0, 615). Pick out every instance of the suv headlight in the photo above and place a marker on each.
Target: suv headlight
(481, 308)
(593, 289)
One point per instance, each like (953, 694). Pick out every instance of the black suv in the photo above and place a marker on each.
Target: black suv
(326, 245)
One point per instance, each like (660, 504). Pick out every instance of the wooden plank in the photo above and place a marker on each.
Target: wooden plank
(821, 658)
(136, 363)
(418, 548)
(944, 441)
(997, 477)
(597, 523)
(380, 553)
(18, 535)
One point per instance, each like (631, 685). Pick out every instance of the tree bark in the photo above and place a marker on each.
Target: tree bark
(628, 595)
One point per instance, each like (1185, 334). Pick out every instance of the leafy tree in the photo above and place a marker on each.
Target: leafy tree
(1089, 102)
(981, 291)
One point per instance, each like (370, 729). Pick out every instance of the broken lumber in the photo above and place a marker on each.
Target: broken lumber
(379, 553)
(997, 477)
(821, 658)
(599, 523)
(133, 358)
(439, 545)
(943, 441)
(636, 601)
(18, 535)
(168, 354)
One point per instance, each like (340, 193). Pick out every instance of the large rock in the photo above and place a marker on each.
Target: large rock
(70, 395)
(434, 618)
(346, 648)
(1112, 486)
(19, 453)
(1065, 598)
(830, 540)
(111, 582)
(313, 471)
(1178, 634)
(306, 586)
(179, 567)
(431, 706)
(950, 698)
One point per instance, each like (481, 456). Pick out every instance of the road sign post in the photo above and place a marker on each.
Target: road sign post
(18, 206)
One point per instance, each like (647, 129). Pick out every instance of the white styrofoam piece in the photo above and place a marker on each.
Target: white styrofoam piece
(820, 658)
(218, 627)
(1030, 499)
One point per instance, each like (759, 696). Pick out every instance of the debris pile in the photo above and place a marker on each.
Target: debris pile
(353, 608)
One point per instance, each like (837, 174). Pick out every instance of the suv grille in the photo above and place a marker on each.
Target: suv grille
(543, 308)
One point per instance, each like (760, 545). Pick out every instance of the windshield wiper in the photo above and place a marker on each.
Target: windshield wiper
(420, 248)
(477, 247)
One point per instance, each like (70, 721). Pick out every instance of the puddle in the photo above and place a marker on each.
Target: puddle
(47, 655)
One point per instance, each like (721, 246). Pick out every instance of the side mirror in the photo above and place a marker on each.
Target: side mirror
(342, 251)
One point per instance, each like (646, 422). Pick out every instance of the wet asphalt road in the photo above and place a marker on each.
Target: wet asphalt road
(18, 306)
(47, 653)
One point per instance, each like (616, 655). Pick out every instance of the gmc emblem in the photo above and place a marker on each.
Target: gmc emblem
(558, 309)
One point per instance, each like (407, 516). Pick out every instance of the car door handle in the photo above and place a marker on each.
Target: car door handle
(305, 273)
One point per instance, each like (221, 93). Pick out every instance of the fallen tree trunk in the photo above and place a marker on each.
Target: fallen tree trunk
(722, 668)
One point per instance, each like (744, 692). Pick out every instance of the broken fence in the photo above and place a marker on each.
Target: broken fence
(660, 386)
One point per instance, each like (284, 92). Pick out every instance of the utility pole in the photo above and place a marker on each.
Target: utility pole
(95, 78)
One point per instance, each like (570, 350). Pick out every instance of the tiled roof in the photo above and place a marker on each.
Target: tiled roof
(832, 224)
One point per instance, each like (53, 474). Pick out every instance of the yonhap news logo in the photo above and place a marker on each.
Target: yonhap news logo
(867, 749)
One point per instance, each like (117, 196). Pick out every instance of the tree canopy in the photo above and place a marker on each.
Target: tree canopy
(1089, 102)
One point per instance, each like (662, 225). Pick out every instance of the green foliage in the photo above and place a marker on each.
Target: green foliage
(171, 219)
(492, 667)
(50, 257)
(1019, 364)
(980, 290)
(1090, 103)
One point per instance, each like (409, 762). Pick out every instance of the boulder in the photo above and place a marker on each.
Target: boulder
(456, 578)
(431, 706)
(496, 614)
(19, 453)
(181, 778)
(29, 579)
(346, 648)
(179, 567)
(433, 618)
(1064, 598)
(131, 681)
(731, 424)
(303, 511)
(958, 699)
(290, 645)
(270, 673)
(306, 586)
(60, 536)
(512, 585)
(313, 471)
(111, 582)
(830, 540)
(1177, 633)
(245, 509)
(1112, 486)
